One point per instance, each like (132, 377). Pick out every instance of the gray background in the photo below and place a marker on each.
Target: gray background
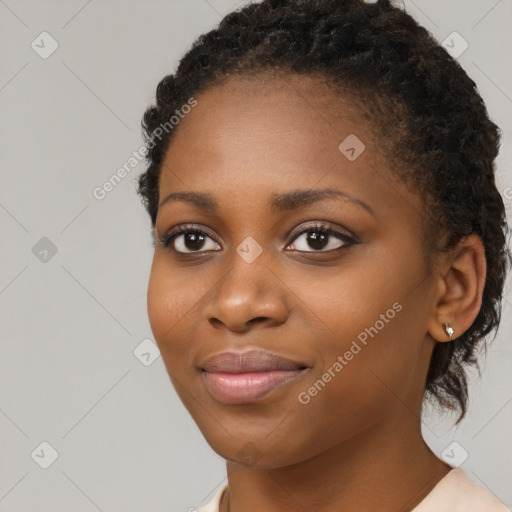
(72, 320)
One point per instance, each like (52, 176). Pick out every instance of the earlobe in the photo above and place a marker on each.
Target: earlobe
(461, 286)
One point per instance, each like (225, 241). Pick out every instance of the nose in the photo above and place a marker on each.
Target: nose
(248, 295)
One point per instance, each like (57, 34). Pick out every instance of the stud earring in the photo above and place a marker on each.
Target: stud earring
(448, 330)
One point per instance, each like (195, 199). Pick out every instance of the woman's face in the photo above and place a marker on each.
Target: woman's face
(352, 306)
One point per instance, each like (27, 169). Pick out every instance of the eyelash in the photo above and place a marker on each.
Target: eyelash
(167, 239)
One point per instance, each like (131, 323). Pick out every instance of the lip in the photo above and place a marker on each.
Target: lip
(249, 361)
(243, 377)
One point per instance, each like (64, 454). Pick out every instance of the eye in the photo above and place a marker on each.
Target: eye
(188, 239)
(319, 237)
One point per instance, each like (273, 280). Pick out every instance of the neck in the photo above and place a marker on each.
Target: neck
(388, 468)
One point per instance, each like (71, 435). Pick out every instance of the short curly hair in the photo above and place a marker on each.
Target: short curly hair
(427, 115)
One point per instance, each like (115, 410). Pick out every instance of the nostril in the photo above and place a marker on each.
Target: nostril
(257, 319)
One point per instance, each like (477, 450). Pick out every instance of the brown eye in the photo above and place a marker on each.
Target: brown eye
(189, 239)
(320, 238)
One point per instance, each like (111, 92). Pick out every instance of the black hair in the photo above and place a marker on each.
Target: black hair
(427, 115)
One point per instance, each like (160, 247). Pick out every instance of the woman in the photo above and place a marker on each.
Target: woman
(330, 252)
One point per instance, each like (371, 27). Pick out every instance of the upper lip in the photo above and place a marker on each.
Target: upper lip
(250, 361)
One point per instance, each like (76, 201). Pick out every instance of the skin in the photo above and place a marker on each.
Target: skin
(357, 444)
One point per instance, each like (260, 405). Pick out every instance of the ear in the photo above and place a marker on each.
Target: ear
(461, 280)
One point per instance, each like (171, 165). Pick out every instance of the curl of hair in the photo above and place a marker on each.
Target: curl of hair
(426, 113)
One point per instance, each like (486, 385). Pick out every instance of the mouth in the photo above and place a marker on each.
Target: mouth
(244, 377)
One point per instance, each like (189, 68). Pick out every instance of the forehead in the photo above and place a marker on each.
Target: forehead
(266, 134)
(300, 106)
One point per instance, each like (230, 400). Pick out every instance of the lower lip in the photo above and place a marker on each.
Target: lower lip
(240, 388)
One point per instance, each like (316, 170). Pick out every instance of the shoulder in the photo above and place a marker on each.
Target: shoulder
(213, 504)
(456, 492)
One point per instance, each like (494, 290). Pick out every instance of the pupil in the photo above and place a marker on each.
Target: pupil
(319, 241)
(194, 241)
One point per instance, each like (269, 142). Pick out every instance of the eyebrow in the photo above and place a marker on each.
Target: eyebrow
(278, 203)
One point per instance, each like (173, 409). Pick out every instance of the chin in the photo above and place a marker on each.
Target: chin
(256, 449)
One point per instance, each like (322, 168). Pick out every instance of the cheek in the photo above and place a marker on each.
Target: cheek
(349, 306)
(374, 321)
(170, 306)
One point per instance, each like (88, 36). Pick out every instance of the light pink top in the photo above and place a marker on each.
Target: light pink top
(453, 493)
